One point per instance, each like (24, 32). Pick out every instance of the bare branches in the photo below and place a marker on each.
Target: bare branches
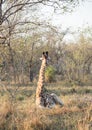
(17, 5)
(10, 11)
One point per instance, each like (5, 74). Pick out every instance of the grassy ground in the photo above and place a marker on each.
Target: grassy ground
(18, 110)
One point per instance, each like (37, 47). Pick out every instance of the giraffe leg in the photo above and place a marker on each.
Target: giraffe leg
(57, 99)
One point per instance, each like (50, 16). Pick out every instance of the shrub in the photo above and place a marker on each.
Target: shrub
(50, 74)
(20, 98)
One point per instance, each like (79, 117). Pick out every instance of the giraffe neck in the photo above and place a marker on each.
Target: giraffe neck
(41, 81)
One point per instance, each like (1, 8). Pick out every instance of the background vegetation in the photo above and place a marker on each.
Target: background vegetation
(72, 62)
(24, 35)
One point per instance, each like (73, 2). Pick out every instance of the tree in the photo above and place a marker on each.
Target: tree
(13, 21)
(50, 74)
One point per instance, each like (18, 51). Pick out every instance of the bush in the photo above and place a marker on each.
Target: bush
(20, 98)
(50, 74)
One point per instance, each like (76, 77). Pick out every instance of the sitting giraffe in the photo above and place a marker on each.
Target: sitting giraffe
(43, 98)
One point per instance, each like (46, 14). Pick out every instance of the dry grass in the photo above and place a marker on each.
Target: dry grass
(22, 114)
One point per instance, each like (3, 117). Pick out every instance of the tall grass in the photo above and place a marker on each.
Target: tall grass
(22, 114)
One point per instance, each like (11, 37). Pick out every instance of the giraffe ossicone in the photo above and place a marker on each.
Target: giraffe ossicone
(43, 98)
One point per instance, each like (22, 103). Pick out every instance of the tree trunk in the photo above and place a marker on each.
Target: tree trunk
(1, 11)
(12, 62)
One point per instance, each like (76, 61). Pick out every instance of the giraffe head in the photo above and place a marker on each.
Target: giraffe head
(45, 57)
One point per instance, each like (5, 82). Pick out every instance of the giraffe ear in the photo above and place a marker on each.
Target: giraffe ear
(43, 54)
(47, 53)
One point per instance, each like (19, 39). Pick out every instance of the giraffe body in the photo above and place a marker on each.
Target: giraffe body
(43, 98)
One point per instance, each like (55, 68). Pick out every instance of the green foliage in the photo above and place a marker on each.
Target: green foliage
(50, 74)
(20, 97)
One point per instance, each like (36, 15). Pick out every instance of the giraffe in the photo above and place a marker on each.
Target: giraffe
(43, 98)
